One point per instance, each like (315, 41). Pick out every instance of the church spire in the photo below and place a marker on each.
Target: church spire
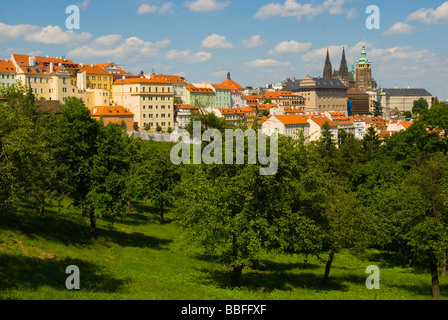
(343, 69)
(328, 69)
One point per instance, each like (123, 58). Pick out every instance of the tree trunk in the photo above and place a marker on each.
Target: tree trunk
(162, 220)
(305, 261)
(435, 282)
(410, 256)
(236, 276)
(443, 266)
(83, 209)
(128, 206)
(145, 199)
(92, 222)
(328, 266)
(42, 207)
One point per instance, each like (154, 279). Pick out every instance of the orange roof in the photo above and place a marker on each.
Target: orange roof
(7, 66)
(194, 89)
(230, 84)
(220, 87)
(406, 124)
(291, 119)
(110, 111)
(139, 80)
(43, 64)
(103, 65)
(321, 120)
(169, 78)
(187, 106)
(93, 69)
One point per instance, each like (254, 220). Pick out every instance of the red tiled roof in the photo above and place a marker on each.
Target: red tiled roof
(291, 119)
(110, 111)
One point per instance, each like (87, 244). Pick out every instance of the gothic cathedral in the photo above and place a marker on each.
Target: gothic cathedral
(360, 78)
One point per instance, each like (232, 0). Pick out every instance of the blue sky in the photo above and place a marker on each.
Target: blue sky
(258, 41)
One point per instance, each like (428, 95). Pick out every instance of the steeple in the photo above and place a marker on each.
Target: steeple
(343, 69)
(228, 75)
(328, 69)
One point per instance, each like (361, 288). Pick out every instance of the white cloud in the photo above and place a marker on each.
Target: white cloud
(352, 14)
(290, 47)
(219, 74)
(206, 5)
(188, 57)
(253, 42)
(400, 28)
(116, 47)
(83, 5)
(431, 16)
(267, 63)
(216, 41)
(55, 35)
(291, 8)
(166, 8)
(45, 35)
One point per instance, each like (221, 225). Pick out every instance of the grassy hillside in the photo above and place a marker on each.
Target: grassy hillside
(137, 258)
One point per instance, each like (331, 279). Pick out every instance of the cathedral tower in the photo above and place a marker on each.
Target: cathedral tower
(328, 69)
(364, 78)
(343, 69)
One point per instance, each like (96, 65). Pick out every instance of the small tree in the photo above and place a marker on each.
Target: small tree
(159, 129)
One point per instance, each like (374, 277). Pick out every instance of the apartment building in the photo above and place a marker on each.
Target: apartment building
(8, 74)
(50, 79)
(151, 101)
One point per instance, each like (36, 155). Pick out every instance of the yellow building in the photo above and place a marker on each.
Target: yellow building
(151, 101)
(48, 78)
(93, 77)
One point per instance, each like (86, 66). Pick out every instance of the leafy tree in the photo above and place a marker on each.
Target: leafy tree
(371, 142)
(227, 209)
(110, 168)
(420, 106)
(19, 146)
(159, 129)
(160, 177)
(77, 147)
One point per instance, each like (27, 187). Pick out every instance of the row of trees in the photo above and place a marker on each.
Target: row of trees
(46, 156)
(386, 194)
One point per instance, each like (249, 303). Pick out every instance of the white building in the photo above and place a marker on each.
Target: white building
(288, 125)
(7, 73)
(402, 99)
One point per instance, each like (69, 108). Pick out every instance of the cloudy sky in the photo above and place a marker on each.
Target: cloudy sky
(258, 41)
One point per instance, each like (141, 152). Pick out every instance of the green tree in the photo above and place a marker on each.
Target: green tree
(77, 147)
(420, 106)
(107, 195)
(160, 178)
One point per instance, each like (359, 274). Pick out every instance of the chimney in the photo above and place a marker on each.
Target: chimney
(51, 67)
(32, 62)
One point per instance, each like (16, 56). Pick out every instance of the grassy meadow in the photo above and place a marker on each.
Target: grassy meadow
(137, 258)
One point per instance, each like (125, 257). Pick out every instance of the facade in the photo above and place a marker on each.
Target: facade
(97, 98)
(113, 114)
(201, 98)
(48, 80)
(401, 99)
(222, 96)
(151, 101)
(287, 125)
(317, 123)
(93, 77)
(320, 94)
(183, 114)
(360, 101)
(179, 86)
(8, 75)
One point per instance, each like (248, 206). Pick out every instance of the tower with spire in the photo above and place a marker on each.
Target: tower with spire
(343, 69)
(364, 79)
(328, 69)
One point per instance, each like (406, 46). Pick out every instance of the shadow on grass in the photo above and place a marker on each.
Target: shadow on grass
(267, 265)
(283, 281)
(74, 231)
(20, 272)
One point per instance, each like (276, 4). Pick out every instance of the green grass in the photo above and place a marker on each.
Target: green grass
(137, 258)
